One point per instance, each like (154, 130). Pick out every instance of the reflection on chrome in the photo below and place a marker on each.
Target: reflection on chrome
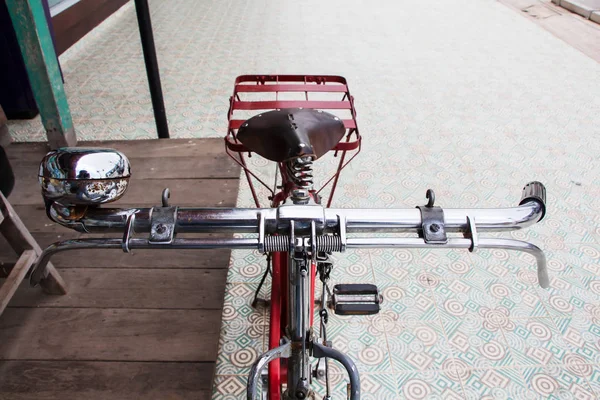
(84, 176)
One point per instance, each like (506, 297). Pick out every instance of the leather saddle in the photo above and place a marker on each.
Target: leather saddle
(290, 133)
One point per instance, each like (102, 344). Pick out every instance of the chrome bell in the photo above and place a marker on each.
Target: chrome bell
(84, 176)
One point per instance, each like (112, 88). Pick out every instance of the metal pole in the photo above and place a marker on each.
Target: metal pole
(34, 38)
(158, 103)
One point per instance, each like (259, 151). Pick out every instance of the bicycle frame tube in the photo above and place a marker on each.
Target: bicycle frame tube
(276, 322)
(292, 312)
(298, 324)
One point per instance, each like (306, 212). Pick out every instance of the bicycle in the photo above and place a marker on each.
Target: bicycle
(296, 233)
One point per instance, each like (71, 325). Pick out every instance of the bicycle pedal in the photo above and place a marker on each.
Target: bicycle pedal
(356, 299)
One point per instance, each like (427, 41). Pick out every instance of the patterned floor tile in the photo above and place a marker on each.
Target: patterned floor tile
(408, 300)
(520, 299)
(239, 346)
(395, 265)
(247, 266)
(374, 386)
(537, 342)
(351, 267)
(503, 264)
(229, 387)
(364, 344)
(592, 372)
(457, 299)
(479, 343)
(496, 383)
(567, 296)
(563, 263)
(238, 304)
(582, 333)
(588, 263)
(589, 252)
(591, 284)
(556, 382)
(431, 384)
(418, 346)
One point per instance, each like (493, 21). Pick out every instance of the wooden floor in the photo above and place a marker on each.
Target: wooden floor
(132, 326)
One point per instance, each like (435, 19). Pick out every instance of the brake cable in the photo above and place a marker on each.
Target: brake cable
(303, 383)
(324, 269)
(256, 300)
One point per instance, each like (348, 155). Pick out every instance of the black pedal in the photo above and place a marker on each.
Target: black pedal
(356, 299)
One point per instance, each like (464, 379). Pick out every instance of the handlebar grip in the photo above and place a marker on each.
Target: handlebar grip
(535, 191)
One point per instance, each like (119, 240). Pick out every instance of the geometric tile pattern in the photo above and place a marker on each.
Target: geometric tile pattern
(472, 104)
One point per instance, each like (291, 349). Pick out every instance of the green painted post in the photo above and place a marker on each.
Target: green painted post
(38, 52)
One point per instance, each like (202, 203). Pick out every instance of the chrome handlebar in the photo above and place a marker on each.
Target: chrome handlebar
(247, 220)
(289, 226)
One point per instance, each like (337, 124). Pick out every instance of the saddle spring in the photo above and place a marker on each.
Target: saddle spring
(299, 171)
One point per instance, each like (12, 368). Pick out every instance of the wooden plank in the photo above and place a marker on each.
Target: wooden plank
(132, 288)
(10, 285)
(109, 334)
(32, 151)
(216, 166)
(35, 41)
(42, 238)
(8, 255)
(98, 258)
(46, 380)
(27, 150)
(95, 258)
(184, 192)
(14, 232)
(27, 191)
(147, 148)
(35, 219)
(155, 168)
(20, 239)
(154, 148)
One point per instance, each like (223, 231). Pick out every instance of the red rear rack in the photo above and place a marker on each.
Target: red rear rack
(270, 92)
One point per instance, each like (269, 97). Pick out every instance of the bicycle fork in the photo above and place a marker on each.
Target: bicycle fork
(285, 351)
